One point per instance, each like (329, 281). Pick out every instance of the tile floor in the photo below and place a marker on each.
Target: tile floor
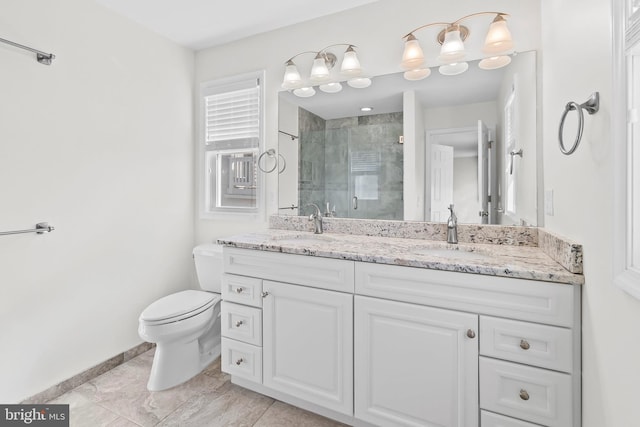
(119, 398)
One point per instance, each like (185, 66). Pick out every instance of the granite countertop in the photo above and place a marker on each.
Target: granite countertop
(522, 262)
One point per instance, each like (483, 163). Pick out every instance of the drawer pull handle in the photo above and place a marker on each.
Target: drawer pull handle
(239, 290)
(524, 395)
(239, 323)
(524, 345)
(265, 294)
(471, 333)
(239, 361)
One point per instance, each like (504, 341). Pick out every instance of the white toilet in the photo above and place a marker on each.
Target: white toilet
(186, 325)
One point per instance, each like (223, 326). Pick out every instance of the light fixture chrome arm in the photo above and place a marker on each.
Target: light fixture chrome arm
(457, 21)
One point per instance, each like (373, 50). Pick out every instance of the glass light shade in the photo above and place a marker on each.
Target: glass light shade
(292, 79)
(418, 74)
(453, 69)
(319, 70)
(494, 62)
(498, 38)
(304, 92)
(452, 48)
(333, 87)
(350, 64)
(412, 57)
(359, 82)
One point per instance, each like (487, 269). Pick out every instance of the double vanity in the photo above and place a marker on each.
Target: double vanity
(395, 327)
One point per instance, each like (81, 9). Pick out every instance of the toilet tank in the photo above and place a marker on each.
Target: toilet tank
(208, 260)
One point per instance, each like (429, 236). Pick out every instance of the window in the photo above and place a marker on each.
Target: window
(231, 139)
(626, 139)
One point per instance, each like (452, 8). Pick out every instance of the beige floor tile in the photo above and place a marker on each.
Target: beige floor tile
(229, 406)
(283, 415)
(84, 412)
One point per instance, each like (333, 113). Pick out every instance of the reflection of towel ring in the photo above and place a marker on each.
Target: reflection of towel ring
(591, 105)
(271, 153)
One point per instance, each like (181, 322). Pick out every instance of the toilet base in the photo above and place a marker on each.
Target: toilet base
(174, 364)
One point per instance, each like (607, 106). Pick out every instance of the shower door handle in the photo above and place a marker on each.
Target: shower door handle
(354, 202)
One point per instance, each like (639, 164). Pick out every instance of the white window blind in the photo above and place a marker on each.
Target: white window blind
(233, 117)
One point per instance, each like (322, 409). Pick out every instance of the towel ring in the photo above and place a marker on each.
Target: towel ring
(592, 105)
(272, 154)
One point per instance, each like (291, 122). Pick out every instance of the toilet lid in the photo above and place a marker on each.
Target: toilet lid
(177, 304)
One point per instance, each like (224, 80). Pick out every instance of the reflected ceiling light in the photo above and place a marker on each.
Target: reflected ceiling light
(453, 69)
(366, 109)
(304, 92)
(359, 82)
(321, 74)
(333, 87)
(497, 42)
(494, 62)
(418, 74)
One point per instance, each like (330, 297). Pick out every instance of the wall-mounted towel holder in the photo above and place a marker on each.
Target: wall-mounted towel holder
(592, 105)
(42, 57)
(41, 228)
(279, 162)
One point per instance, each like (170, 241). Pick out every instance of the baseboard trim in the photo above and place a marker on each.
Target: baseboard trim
(63, 387)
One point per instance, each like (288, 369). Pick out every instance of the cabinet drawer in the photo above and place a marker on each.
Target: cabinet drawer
(528, 300)
(241, 359)
(241, 323)
(489, 419)
(524, 392)
(241, 289)
(324, 273)
(533, 344)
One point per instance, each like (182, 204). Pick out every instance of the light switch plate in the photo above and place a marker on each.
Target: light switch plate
(548, 202)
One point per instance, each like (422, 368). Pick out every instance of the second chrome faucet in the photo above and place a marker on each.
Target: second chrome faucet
(316, 217)
(452, 227)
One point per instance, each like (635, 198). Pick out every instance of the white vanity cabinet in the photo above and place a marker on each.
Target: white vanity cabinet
(308, 344)
(415, 365)
(385, 345)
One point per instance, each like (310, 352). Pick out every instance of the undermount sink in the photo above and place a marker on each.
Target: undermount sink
(449, 251)
(301, 239)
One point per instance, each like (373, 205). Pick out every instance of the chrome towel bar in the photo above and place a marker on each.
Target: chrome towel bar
(42, 57)
(41, 228)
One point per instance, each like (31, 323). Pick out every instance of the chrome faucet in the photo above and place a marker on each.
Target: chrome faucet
(316, 217)
(452, 227)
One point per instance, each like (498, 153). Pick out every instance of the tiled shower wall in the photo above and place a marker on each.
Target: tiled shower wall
(354, 156)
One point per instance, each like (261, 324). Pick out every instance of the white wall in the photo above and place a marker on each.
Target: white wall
(376, 29)
(576, 61)
(100, 144)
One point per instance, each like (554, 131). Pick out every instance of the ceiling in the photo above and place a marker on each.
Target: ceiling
(198, 24)
(385, 93)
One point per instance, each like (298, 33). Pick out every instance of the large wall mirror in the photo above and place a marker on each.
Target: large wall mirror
(468, 139)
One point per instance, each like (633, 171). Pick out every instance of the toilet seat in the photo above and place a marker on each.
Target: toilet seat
(178, 306)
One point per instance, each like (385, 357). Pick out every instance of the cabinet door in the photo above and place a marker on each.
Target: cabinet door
(308, 344)
(415, 365)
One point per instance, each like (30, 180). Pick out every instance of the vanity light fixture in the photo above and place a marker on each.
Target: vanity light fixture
(497, 43)
(320, 74)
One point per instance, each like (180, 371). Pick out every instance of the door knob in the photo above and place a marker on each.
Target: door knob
(471, 333)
